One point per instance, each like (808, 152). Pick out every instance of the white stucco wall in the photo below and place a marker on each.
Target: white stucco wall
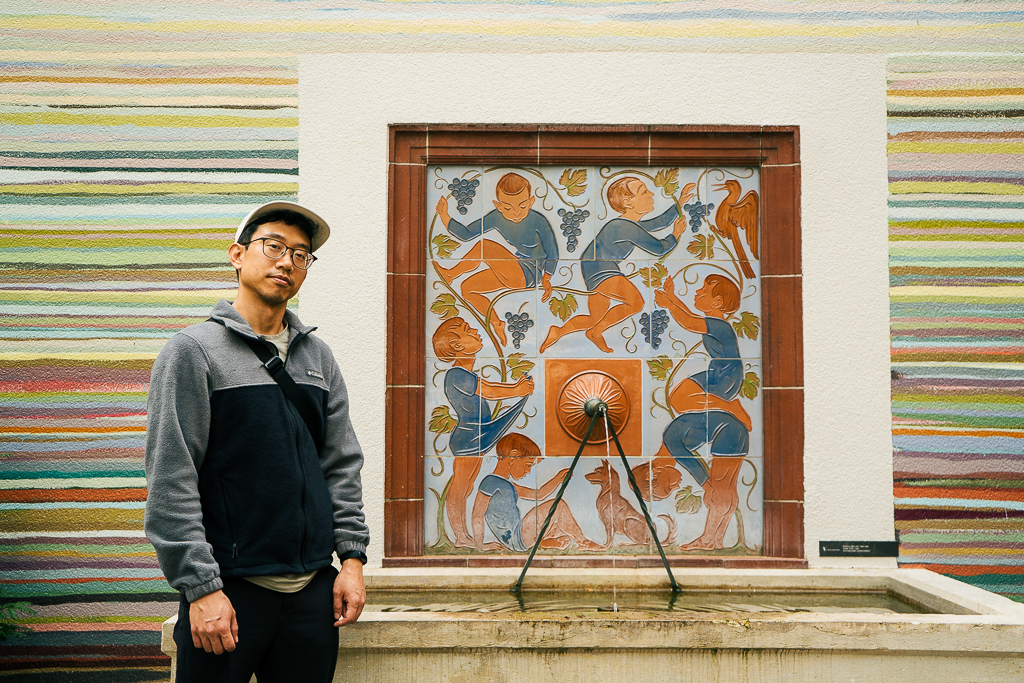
(347, 101)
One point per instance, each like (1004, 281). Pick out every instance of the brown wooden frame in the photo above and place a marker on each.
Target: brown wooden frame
(775, 149)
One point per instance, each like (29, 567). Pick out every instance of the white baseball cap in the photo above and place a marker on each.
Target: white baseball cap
(323, 231)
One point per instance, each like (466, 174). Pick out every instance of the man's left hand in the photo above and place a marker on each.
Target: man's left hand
(349, 593)
(545, 282)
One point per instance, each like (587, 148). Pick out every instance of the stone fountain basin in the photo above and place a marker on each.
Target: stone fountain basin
(949, 631)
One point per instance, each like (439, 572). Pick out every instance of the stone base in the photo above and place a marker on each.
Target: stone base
(978, 636)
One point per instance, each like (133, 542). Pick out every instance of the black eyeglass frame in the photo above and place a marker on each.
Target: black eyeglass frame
(286, 248)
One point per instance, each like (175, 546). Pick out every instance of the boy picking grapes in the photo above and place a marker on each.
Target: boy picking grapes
(493, 265)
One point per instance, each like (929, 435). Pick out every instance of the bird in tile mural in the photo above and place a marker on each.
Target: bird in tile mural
(735, 214)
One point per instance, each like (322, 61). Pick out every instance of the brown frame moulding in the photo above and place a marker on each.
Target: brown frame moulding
(775, 149)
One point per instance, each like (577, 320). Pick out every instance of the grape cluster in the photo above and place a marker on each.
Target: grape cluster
(697, 213)
(653, 326)
(571, 226)
(518, 324)
(463, 190)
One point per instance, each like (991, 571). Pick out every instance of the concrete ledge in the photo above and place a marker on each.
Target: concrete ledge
(976, 636)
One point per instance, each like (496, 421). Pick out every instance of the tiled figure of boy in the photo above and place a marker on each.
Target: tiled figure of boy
(497, 268)
(497, 503)
(632, 200)
(477, 429)
(708, 404)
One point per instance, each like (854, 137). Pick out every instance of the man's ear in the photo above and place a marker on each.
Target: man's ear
(497, 205)
(533, 198)
(514, 453)
(235, 252)
(456, 345)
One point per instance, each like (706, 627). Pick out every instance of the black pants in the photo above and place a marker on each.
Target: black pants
(282, 637)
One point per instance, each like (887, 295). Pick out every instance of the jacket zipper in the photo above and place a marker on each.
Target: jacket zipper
(298, 455)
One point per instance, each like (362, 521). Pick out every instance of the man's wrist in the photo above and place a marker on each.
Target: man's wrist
(353, 555)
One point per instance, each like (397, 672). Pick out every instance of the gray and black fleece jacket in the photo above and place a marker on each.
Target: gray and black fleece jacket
(236, 486)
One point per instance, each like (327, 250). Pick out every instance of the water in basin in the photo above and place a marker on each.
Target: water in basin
(882, 602)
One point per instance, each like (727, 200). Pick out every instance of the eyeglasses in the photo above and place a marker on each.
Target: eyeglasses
(275, 250)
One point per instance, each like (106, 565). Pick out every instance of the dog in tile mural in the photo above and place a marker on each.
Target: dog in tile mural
(617, 513)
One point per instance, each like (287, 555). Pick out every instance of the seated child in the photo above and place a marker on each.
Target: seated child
(497, 504)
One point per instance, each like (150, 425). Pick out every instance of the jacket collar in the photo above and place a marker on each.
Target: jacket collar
(226, 314)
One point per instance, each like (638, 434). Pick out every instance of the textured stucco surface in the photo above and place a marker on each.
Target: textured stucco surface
(346, 103)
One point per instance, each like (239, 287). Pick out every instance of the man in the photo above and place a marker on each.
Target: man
(249, 496)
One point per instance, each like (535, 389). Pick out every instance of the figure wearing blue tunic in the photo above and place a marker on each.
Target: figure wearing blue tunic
(502, 515)
(475, 432)
(724, 375)
(616, 241)
(723, 378)
(532, 238)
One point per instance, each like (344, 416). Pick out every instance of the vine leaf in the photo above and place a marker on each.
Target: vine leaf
(441, 420)
(668, 181)
(444, 306)
(751, 383)
(703, 247)
(574, 182)
(564, 307)
(687, 502)
(660, 367)
(445, 245)
(748, 325)
(519, 366)
(654, 275)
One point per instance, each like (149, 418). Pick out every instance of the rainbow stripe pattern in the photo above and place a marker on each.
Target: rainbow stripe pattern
(118, 206)
(956, 227)
(132, 136)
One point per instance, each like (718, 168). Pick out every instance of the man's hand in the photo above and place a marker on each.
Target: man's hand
(214, 627)
(545, 282)
(524, 387)
(442, 211)
(686, 192)
(679, 226)
(349, 593)
(666, 296)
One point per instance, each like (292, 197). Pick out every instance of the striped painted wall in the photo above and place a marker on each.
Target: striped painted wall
(118, 204)
(132, 135)
(956, 226)
(284, 27)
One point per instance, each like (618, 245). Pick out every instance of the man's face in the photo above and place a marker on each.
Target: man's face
(273, 281)
(643, 199)
(521, 466)
(470, 341)
(705, 301)
(514, 207)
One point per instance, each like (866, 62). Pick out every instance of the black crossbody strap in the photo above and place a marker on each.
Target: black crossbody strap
(300, 399)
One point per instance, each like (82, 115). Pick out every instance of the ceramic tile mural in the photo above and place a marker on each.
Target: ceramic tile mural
(550, 285)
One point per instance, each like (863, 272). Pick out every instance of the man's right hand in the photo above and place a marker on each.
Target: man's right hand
(679, 225)
(214, 627)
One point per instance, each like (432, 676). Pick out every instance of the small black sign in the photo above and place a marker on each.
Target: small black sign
(858, 549)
